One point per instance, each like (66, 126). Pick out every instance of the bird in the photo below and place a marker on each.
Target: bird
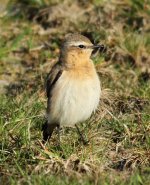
(73, 86)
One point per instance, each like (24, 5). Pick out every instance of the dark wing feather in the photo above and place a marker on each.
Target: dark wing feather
(52, 78)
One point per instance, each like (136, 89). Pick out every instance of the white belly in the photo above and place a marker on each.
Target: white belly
(74, 101)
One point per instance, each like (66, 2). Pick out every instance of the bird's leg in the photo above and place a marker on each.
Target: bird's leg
(81, 135)
(47, 131)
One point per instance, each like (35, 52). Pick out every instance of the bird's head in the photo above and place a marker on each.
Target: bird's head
(77, 48)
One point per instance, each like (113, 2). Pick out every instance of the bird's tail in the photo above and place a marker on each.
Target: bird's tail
(47, 131)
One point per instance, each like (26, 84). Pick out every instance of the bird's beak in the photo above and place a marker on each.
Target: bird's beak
(99, 47)
(96, 46)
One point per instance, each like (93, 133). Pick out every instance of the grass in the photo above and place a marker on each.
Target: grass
(119, 149)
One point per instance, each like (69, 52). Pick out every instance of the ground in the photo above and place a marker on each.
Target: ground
(119, 132)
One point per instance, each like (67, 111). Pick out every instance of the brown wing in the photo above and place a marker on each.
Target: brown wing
(52, 78)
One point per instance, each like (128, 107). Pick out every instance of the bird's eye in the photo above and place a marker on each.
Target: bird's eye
(81, 46)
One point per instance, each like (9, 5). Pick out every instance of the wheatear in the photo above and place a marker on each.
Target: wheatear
(73, 86)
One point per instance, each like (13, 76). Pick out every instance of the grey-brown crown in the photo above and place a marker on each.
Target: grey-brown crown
(75, 37)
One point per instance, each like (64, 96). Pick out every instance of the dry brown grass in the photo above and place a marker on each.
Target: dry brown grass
(118, 151)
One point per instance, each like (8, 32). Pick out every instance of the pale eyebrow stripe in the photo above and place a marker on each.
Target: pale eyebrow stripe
(79, 43)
